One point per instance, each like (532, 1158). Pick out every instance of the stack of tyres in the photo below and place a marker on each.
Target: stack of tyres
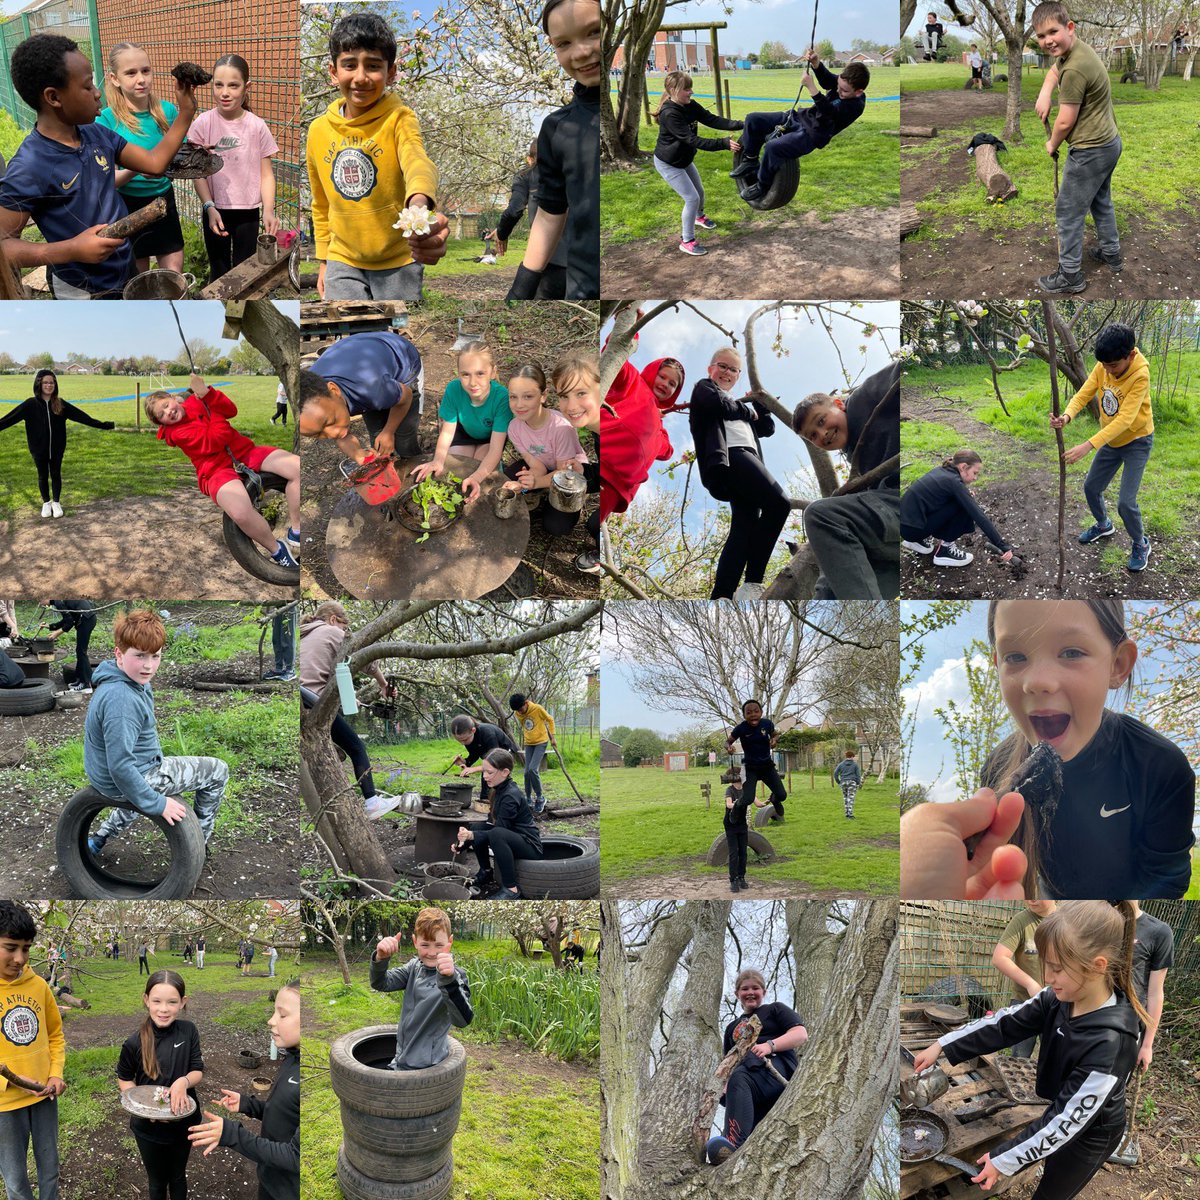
(397, 1126)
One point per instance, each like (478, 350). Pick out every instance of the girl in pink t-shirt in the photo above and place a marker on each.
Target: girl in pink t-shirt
(233, 196)
(545, 439)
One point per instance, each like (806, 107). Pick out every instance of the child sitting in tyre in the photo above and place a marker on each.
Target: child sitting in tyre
(122, 755)
(199, 426)
(436, 992)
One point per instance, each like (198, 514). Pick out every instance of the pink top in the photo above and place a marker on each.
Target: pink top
(243, 144)
(552, 444)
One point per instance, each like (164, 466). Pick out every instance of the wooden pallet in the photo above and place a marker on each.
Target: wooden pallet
(251, 280)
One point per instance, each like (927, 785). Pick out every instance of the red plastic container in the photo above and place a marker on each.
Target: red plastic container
(376, 480)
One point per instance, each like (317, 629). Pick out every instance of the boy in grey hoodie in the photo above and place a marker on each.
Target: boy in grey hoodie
(122, 755)
(436, 992)
(849, 774)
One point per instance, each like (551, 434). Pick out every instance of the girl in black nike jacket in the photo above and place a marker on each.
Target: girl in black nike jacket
(1090, 1023)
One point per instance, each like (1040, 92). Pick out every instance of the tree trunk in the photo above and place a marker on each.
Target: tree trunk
(908, 9)
(917, 131)
(990, 173)
(277, 337)
(910, 219)
(1014, 43)
(1187, 70)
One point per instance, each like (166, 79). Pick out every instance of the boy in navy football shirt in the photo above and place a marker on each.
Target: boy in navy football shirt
(63, 174)
(758, 738)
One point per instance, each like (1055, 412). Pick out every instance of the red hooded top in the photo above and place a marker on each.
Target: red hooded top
(633, 438)
(205, 433)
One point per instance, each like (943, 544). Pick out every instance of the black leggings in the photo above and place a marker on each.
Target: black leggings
(83, 666)
(1066, 1172)
(736, 838)
(506, 846)
(749, 1096)
(346, 739)
(770, 776)
(945, 523)
(166, 1167)
(760, 510)
(224, 253)
(49, 472)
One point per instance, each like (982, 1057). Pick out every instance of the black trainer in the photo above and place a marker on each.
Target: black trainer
(1060, 283)
(742, 883)
(734, 886)
(748, 166)
(1115, 265)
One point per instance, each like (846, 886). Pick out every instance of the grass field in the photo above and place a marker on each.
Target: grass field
(859, 167)
(127, 461)
(655, 822)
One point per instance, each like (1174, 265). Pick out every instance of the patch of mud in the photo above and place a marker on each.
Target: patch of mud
(689, 887)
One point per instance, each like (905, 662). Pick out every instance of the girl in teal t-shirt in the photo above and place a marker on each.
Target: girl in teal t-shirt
(474, 413)
(141, 118)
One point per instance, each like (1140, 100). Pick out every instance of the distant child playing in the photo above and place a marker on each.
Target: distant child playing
(474, 414)
(537, 728)
(165, 1052)
(67, 147)
(277, 1148)
(122, 755)
(137, 114)
(244, 187)
(759, 739)
(79, 615)
(675, 151)
(436, 992)
(31, 1046)
(199, 426)
(848, 776)
(975, 62)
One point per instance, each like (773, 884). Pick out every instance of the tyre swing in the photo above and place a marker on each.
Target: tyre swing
(787, 178)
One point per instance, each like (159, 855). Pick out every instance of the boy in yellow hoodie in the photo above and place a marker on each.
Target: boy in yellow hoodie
(537, 728)
(32, 1048)
(1121, 384)
(367, 162)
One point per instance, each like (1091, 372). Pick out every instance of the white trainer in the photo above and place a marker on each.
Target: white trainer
(56, 509)
(47, 509)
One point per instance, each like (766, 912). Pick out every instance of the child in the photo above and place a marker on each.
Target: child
(737, 800)
(366, 162)
(931, 37)
(546, 441)
(1086, 122)
(436, 992)
(122, 755)
(805, 130)
(46, 414)
(1016, 958)
(199, 426)
(277, 1149)
(537, 729)
(939, 507)
(1088, 1020)
(576, 379)
(510, 833)
(55, 80)
(474, 414)
(137, 114)
(79, 615)
(281, 405)
(478, 738)
(856, 537)
(758, 738)
(675, 151)
(31, 1046)
(165, 1052)
(1123, 825)
(568, 155)
(374, 375)
(553, 285)
(975, 61)
(245, 184)
(848, 775)
(1120, 383)
(726, 434)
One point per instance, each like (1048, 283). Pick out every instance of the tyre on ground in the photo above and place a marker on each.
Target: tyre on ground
(568, 870)
(29, 697)
(718, 852)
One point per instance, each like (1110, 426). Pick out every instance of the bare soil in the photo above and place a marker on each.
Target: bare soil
(137, 546)
(716, 887)
(984, 263)
(851, 256)
(1025, 512)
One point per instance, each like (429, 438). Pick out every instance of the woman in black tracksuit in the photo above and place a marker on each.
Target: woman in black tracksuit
(726, 435)
(510, 832)
(46, 415)
(79, 615)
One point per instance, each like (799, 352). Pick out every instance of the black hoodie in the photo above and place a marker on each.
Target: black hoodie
(882, 440)
(177, 1049)
(678, 140)
(710, 408)
(45, 430)
(933, 492)
(1084, 1063)
(277, 1149)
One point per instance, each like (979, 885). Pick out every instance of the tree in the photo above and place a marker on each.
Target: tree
(641, 744)
(1010, 20)
(774, 54)
(204, 356)
(40, 362)
(7, 362)
(827, 50)
(976, 728)
(249, 359)
(617, 733)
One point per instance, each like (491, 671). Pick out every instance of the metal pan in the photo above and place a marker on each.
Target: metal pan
(140, 1101)
(934, 1134)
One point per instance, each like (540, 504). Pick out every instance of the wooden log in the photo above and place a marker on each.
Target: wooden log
(579, 810)
(135, 222)
(993, 177)
(910, 220)
(918, 131)
(65, 998)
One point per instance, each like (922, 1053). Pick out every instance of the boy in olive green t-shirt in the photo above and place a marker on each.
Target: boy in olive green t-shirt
(1085, 121)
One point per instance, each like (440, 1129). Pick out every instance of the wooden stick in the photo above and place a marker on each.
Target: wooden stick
(136, 221)
(1052, 354)
(563, 765)
(20, 1081)
(918, 131)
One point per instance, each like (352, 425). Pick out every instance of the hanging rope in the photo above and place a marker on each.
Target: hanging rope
(812, 45)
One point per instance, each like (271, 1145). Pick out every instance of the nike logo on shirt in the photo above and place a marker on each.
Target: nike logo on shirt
(1112, 812)
(177, 1045)
(66, 186)
(291, 1080)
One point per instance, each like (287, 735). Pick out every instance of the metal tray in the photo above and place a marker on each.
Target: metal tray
(140, 1102)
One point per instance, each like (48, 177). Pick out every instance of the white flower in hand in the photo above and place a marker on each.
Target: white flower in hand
(414, 220)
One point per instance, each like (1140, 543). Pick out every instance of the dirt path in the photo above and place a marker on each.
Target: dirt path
(1025, 511)
(852, 256)
(1007, 263)
(166, 546)
(715, 887)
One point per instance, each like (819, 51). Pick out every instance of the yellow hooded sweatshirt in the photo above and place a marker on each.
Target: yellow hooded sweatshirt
(362, 171)
(1124, 403)
(31, 1037)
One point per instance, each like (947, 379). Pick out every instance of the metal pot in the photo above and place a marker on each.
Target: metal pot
(506, 502)
(456, 793)
(39, 645)
(923, 1136)
(268, 249)
(446, 889)
(158, 285)
(920, 1091)
(567, 490)
(452, 872)
(69, 699)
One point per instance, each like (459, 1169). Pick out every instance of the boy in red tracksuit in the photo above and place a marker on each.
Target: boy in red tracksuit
(632, 431)
(199, 426)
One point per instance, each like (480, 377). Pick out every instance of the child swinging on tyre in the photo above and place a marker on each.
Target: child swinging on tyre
(122, 754)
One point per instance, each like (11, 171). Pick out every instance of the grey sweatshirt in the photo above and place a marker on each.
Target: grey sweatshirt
(120, 739)
(432, 1003)
(848, 771)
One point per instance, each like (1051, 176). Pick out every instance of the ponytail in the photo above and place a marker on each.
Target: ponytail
(674, 79)
(966, 458)
(1123, 970)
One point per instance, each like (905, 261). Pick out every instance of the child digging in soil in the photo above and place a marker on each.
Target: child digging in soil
(32, 1047)
(199, 426)
(165, 1052)
(436, 992)
(122, 755)
(848, 776)
(277, 1149)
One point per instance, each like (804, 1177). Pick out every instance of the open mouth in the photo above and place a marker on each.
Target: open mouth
(1049, 726)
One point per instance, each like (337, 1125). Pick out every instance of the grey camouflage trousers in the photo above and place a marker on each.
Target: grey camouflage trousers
(206, 777)
(849, 791)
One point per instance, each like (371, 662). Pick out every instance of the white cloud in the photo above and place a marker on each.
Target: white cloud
(947, 682)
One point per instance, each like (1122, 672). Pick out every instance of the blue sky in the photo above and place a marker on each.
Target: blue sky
(751, 24)
(113, 330)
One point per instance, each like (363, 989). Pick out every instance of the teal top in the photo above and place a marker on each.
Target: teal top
(478, 421)
(148, 136)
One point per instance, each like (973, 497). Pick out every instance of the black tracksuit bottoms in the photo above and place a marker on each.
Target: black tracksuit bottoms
(767, 773)
(506, 847)
(166, 1167)
(759, 509)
